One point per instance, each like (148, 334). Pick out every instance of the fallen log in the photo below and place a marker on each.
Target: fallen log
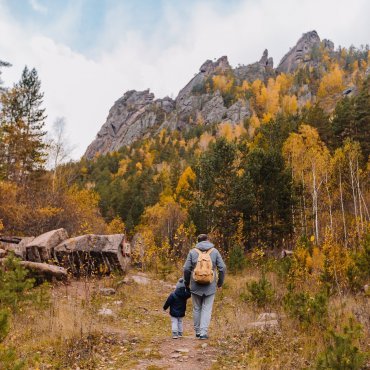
(43, 270)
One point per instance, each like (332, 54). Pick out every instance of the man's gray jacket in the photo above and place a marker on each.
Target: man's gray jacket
(217, 263)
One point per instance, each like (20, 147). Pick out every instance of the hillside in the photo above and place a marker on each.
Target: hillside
(278, 153)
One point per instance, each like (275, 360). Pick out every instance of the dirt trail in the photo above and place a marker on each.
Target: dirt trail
(187, 353)
(144, 334)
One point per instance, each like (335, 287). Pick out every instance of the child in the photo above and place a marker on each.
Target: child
(177, 303)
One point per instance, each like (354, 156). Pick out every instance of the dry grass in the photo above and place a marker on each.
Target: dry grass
(289, 347)
(69, 334)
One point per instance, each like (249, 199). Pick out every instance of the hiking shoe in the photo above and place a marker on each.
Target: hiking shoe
(197, 335)
(179, 334)
(203, 337)
(174, 335)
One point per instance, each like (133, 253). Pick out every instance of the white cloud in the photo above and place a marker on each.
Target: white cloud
(82, 88)
(37, 6)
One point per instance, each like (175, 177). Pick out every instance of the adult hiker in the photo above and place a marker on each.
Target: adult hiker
(200, 274)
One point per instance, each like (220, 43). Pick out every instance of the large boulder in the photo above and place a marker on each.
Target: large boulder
(40, 249)
(90, 253)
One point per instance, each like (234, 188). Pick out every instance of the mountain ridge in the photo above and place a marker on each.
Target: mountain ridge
(138, 114)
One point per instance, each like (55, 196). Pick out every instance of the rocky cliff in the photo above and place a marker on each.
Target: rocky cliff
(132, 116)
(137, 114)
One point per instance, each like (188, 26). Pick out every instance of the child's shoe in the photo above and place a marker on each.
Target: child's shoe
(197, 335)
(174, 335)
(179, 334)
(203, 337)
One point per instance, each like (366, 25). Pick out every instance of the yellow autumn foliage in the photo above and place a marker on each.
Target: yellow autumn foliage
(183, 187)
(336, 260)
(225, 130)
(289, 105)
(123, 164)
(116, 226)
(222, 83)
(254, 123)
(331, 83)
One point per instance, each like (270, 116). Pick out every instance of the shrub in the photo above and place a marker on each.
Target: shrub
(14, 283)
(259, 292)
(306, 308)
(13, 286)
(8, 359)
(237, 259)
(342, 352)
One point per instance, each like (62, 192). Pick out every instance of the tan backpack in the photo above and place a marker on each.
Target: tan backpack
(203, 272)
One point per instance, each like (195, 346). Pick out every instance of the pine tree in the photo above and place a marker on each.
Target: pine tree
(270, 220)
(22, 149)
(214, 202)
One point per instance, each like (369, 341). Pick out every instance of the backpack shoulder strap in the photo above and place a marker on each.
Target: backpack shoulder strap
(198, 251)
(210, 251)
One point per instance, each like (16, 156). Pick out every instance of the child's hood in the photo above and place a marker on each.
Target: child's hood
(181, 292)
(180, 283)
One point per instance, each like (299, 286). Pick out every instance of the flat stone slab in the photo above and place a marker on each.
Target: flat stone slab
(105, 312)
(267, 324)
(142, 280)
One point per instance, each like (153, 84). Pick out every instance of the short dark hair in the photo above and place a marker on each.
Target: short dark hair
(202, 237)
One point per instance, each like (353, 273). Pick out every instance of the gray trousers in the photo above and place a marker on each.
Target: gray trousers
(202, 312)
(176, 323)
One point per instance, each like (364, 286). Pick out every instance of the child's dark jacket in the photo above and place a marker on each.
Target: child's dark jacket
(176, 301)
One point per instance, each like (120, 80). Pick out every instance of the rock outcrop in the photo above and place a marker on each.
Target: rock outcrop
(130, 118)
(299, 53)
(137, 114)
(261, 70)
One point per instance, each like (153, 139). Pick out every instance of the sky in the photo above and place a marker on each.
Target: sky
(89, 52)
